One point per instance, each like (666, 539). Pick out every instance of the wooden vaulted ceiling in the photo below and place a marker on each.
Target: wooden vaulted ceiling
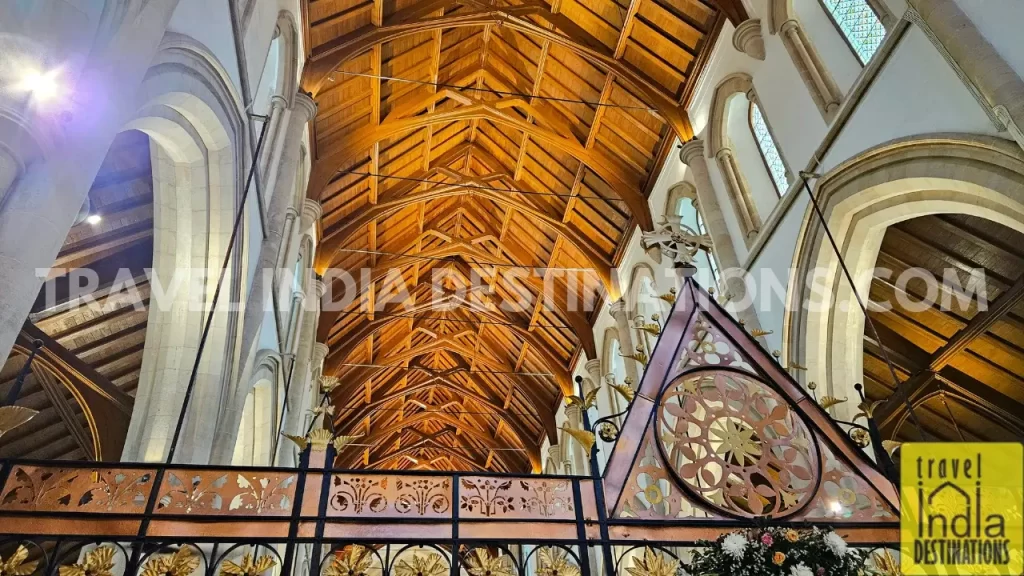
(456, 138)
(960, 367)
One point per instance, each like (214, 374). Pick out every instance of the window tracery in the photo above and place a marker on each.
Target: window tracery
(769, 151)
(860, 26)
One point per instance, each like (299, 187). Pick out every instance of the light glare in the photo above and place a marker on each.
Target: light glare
(42, 85)
(94, 219)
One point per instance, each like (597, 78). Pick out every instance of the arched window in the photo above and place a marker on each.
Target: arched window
(859, 24)
(769, 151)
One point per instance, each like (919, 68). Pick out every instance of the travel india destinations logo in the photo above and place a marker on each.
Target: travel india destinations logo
(961, 508)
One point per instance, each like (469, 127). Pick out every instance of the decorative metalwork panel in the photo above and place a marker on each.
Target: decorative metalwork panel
(390, 496)
(45, 489)
(515, 498)
(769, 151)
(706, 346)
(737, 445)
(650, 492)
(859, 24)
(845, 496)
(227, 492)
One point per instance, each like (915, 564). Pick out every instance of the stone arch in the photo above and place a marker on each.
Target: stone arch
(258, 422)
(188, 107)
(897, 181)
(822, 87)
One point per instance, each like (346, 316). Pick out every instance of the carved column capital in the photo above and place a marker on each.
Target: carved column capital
(304, 106)
(320, 351)
(593, 367)
(311, 212)
(748, 39)
(555, 453)
(691, 152)
(321, 288)
(618, 308)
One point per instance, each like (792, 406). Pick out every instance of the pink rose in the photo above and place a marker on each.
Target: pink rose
(766, 539)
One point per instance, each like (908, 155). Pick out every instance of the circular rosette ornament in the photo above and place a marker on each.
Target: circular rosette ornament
(736, 445)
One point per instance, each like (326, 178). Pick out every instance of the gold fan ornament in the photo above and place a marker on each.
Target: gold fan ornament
(481, 563)
(97, 562)
(422, 565)
(586, 439)
(554, 561)
(13, 416)
(340, 442)
(319, 439)
(890, 446)
(624, 391)
(830, 401)
(670, 297)
(588, 401)
(639, 355)
(182, 563)
(249, 566)
(16, 565)
(328, 383)
(353, 561)
(653, 564)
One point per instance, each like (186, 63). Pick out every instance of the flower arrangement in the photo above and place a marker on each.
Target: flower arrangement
(777, 552)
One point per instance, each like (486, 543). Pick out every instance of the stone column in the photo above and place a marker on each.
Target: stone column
(819, 82)
(625, 332)
(692, 154)
(975, 60)
(316, 372)
(745, 207)
(555, 455)
(594, 369)
(574, 418)
(261, 291)
(39, 209)
(303, 387)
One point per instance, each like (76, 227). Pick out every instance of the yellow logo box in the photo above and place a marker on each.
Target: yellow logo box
(961, 508)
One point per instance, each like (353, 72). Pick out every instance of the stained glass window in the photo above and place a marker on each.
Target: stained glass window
(770, 152)
(859, 24)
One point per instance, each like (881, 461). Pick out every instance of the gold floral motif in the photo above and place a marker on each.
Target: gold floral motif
(430, 564)
(653, 564)
(182, 563)
(353, 561)
(248, 567)
(737, 441)
(481, 563)
(98, 562)
(555, 562)
(16, 565)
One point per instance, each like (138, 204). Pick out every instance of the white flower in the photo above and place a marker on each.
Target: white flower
(800, 569)
(836, 544)
(734, 545)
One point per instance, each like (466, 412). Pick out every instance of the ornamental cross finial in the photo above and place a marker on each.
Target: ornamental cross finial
(676, 239)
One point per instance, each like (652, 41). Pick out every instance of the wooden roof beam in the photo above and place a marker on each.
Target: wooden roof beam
(893, 406)
(621, 178)
(572, 37)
